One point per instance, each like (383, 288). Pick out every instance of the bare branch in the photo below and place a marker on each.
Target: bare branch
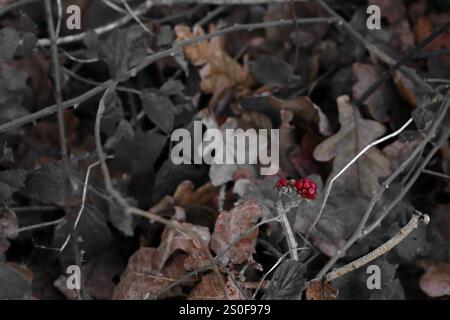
(151, 59)
(415, 221)
(359, 232)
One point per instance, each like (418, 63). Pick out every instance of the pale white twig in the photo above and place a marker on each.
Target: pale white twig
(38, 226)
(352, 161)
(83, 203)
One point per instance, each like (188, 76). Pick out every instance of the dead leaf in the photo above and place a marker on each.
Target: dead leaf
(8, 224)
(210, 289)
(141, 281)
(436, 280)
(405, 88)
(378, 101)
(355, 134)
(172, 240)
(232, 223)
(398, 151)
(306, 113)
(321, 290)
(219, 71)
(206, 195)
(61, 284)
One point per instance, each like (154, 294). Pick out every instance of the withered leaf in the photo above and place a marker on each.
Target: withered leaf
(219, 70)
(305, 112)
(8, 223)
(172, 240)
(378, 101)
(141, 281)
(206, 195)
(406, 88)
(355, 134)
(436, 280)
(230, 224)
(321, 290)
(209, 288)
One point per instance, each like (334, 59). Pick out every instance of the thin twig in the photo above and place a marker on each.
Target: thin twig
(151, 59)
(361, 153)
(374, 49)
(386, 210)
(415, 221)
(211, 15)
(436, 174)
(407, 57)
(136, 211)
(57, 79)
(359, 232)
(39, 225)
(136, 18)
(219, 256)
(9, 7)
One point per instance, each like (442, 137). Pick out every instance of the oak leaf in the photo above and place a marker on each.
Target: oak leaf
(141, 281)
(219, 70)
(355, 134)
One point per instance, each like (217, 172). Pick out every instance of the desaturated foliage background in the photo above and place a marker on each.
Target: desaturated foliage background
(314, 81)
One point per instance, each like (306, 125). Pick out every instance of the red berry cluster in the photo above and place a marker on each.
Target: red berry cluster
(306, 188)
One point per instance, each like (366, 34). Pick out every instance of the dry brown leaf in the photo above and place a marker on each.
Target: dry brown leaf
(366, 75)
(219, 71)
(436, 280)
(398, 151)
(355, 134)
(141, 281)
(229, 225)
(210, 289)
(206, 195)
(172, 240)
(305, 113)
(405, 88)
(320, 290)
(8, 224)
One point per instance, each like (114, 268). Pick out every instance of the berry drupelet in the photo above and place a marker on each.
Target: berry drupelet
(304, 187)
